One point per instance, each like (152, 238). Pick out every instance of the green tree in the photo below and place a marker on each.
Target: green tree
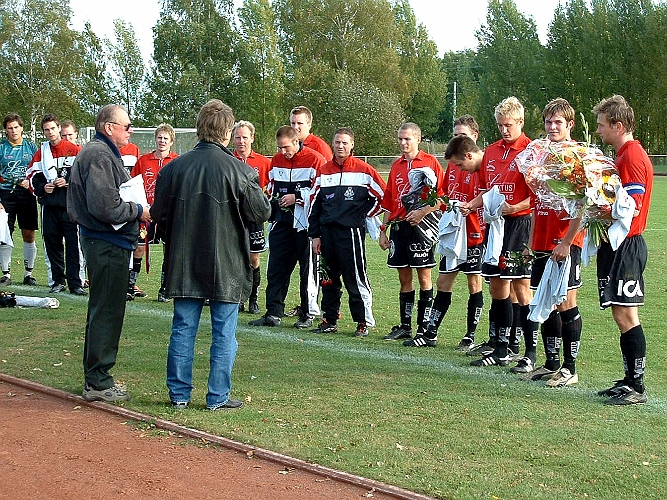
(127, 65)
(194, 60)
(509, 56)
(261, 72)
(41, 66)
(426, 82)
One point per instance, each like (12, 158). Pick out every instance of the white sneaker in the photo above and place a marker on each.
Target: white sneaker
(562, 378)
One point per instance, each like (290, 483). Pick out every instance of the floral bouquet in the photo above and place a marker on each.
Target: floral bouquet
(574, 179)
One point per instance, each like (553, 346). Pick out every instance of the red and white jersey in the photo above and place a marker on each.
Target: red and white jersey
(149, 167)
(260, 163)
(464, 187)
(398, 183)
(499, 169)
(130, 156)
(636, 172)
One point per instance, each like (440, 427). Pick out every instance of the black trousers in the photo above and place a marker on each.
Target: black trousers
(65, 262)
(344, 253)
(108, 272)
(287, 246)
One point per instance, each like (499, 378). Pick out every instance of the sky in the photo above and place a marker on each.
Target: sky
(450, 23)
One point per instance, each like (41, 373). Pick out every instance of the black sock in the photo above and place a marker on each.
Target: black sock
(256, 279)
(503, 317)
(493, 337)
(439, 308)
(136, 264)
(633, 348)
(516, 331)
(406, 302)
(424, 309)
(551, 338)
(530, 333)
(571, 331)
(475, 304)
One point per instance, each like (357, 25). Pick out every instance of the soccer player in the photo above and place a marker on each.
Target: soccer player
(16, 152)
(498, 169)
(244, 136)
(347, 190)
(620, 272)
(558, 237)
(49, 174)
(462, 175)
(408, 250)
(149, 166)
(301, 120)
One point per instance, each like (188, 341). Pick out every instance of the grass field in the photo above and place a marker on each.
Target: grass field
(422, 419)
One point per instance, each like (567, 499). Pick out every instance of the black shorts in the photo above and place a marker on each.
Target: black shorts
(22, 206)
(257, 238)
(573, 281)
(515, 239)
(473, 264)
(407, 248)
(621, 273)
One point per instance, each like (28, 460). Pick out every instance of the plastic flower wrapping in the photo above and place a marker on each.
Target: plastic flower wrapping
(573, 179)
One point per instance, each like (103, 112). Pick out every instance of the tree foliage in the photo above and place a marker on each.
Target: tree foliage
(127, 63)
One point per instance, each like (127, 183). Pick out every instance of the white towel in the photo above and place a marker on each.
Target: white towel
(48, 165)
(551, 291)
(373, 227)
(300, 222)
(588, 250)
(453, 239)
(5, 234)
(42, 302)
(493, 202)
(622, 211)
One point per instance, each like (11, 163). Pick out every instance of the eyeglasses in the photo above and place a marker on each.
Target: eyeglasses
(126, 127)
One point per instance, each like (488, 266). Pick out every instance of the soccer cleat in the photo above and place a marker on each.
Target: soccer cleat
(304, 322)
(524, 365)
(5, 280)
(614, 389)
(466, 344)
(325, 327)
(421, 341)
(78, 291)
(541, 373)
(110, 395)
(562, 378)
(362, 330)
(138, 292)
(162, 295)
(266, 320)
(483, 349)
(514, 355)
(57, 288)
(626, 395)
(296, 311)
(30, 280)
(398, 332)
(491, 360)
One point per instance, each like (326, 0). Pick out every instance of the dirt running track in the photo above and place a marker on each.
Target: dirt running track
(55, 446)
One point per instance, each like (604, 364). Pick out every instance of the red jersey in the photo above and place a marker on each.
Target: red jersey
(398, 183)
(130, 155)
(149, 166)
(260, 163)
(319, 145)
(499, 169)
(548, 228)
(464, 187)
(636, 172)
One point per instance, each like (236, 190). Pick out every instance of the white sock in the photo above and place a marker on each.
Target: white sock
(29, 256)
(5, 258)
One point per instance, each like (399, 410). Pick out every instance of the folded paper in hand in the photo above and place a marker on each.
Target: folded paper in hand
(132, 190)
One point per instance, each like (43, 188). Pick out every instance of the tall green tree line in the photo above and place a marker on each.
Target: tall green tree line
(366, 64)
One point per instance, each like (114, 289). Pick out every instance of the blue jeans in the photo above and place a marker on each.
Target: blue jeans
(224, 317)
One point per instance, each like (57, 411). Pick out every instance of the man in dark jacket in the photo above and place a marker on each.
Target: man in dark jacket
(108, 228)
(205, 200)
